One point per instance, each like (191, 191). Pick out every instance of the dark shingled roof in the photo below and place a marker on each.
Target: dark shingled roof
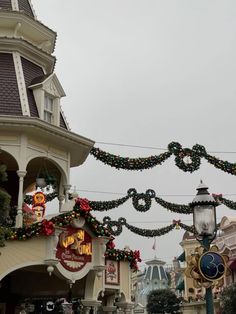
(5, 4)
(39, 79)
(9, 94)
(24, 6)
(31, 70)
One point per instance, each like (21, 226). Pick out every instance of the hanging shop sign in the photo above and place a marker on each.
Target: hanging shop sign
(74, 249)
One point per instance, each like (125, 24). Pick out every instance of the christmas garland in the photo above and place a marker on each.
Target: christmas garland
(107, 205)
(49, 197)
(122, 255)
(177, 208)
(129, 163)
(46, 227)
(81, 209)
(141, 202)
(116, 227)
(186, 159)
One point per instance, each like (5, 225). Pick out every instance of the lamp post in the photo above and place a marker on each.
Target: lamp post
(204, 221)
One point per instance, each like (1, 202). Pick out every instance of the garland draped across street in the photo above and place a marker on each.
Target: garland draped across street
(188, 160)
(116, 227)
(141, 202)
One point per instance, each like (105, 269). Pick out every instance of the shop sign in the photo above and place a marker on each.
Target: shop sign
(74, 249)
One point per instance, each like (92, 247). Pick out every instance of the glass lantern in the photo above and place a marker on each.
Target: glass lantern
(204, 213)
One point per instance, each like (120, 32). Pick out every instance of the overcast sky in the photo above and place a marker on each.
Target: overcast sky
(148, 72)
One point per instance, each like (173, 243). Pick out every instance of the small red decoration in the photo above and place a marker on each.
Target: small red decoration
(111, 245)
(176, 222)
(84, 204)
(217, 195)
(47, 227)
(136, 255)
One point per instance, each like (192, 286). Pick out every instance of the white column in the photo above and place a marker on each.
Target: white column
(109, 309)
(66, 188)
(125, 307)
(90, 304)
(19, 217)
(61, 199)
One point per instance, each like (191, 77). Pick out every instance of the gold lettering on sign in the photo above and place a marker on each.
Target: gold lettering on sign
(74, 241)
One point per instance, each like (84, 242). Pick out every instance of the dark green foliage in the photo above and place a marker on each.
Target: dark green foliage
(163, 301)
(4, 196)
(5, 199)
(3, 173)
(228, 299)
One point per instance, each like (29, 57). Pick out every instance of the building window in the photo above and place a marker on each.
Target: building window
(48, 109)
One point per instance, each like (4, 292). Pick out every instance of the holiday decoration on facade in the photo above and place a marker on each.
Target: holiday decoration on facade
(38, 206)
(74, 249)
(48, 198)
(186, 159)
(207, 268)
(122, 255)
(141, 202)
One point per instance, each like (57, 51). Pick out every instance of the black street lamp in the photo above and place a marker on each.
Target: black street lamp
(204, 221)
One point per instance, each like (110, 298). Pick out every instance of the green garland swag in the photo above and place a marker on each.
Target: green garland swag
(61, 220)
(49, 197)
(129, 163)
(123, 255)
(141, 202)
(107, 205)
(116, 227)
(46, 228)
(186, 159)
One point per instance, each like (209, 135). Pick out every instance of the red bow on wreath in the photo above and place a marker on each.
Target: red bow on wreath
(47, 227)
(217, 195)
(176, 223)
(83, 204)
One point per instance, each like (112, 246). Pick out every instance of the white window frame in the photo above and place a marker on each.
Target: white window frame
(48, 109)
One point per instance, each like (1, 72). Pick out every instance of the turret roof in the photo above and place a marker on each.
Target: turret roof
(18, 5)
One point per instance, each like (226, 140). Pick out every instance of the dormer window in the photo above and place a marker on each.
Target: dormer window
(47, 92)
(48, 109)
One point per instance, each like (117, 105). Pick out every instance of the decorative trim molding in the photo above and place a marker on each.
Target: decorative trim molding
(31, 28)
(21, 84)
(28, 51)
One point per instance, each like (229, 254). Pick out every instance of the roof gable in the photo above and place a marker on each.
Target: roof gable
(50, 84)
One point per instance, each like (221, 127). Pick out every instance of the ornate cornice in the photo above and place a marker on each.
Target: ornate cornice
(78, 146)
(31, 29)
(29, 51)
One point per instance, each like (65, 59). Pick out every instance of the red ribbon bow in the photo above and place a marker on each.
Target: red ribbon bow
(176, 222)
(111, 244)
(217, 195)
(83, 204)
(47, 227)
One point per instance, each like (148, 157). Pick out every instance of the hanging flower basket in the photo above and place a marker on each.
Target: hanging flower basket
(41, 182)
(46, 181)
